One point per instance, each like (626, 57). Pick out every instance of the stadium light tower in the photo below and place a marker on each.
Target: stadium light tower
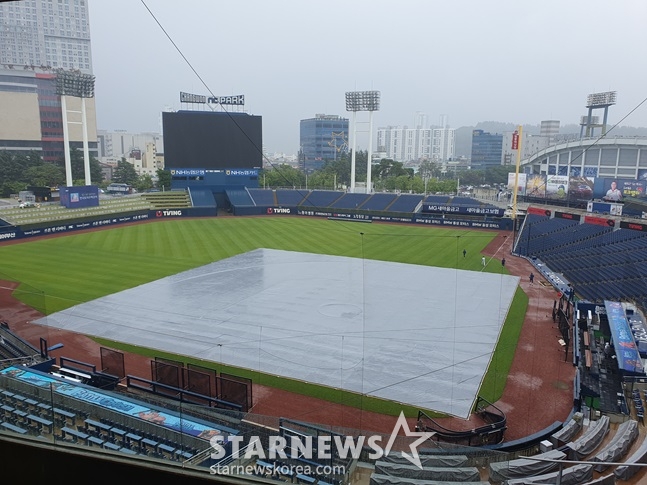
(78, 85)
(597, 101)
(362, 101)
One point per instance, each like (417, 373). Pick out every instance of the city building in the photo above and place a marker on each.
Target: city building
(38, 37)
(443, 144)
(529, 143)
(143, 150)
(487, 149)
(322, 138)
(404, 144)
(45, 34)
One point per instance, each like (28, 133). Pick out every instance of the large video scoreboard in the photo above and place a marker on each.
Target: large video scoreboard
(212, 140)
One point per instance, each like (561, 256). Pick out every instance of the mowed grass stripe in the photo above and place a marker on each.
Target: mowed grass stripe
(119, 258)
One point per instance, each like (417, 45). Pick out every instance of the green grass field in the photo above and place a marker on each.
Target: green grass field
(61, 272)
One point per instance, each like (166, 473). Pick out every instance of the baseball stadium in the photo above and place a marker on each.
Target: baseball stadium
(137, 329)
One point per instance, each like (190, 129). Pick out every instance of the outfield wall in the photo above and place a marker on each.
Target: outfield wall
(481, 223)
(8, 233)
(56, 227)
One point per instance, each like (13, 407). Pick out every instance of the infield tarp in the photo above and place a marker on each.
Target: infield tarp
(408, 333)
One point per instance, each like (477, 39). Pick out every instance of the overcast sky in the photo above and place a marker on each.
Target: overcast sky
(504, 60)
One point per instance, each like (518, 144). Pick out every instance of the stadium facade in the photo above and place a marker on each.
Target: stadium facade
(616, 157)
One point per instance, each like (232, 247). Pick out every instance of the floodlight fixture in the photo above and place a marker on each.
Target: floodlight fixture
(362, 101)
(600, 100)
(74, 83)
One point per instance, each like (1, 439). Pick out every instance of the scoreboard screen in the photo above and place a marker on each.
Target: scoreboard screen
(212, 140)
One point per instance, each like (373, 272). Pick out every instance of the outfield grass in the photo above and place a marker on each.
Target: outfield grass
(61, 272)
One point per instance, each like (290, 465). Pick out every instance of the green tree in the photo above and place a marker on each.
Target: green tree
(9, 188)
(164, 179)
(125, 173)
(13, 166)
(283, 176)
(144, 183)
(498, 174)
(338, 170)
(77, 164)
(45, 175)
(472, 177)
(388, 168)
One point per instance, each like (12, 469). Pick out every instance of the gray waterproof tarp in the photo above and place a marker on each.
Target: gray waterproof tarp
(575, 475)
(426, 460)
(625, 472)
(619, 445)
(351, 323)
(590, 440)
(568, 431)
(450, 474)
(605, 480)
(377, 479)
(525, 467)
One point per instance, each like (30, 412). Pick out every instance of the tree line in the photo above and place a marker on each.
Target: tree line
(19, 171)
(387, 175)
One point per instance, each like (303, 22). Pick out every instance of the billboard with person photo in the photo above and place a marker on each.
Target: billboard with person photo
(556, 186)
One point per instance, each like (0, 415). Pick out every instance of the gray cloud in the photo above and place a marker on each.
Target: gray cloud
(510, 61)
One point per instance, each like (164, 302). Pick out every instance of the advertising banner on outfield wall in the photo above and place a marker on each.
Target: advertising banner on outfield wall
(58, 228)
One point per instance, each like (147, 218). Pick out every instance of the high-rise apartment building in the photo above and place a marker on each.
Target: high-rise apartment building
(324, 137)
(404, 144)
(46, 34)
(443, 144)
(37, 37)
